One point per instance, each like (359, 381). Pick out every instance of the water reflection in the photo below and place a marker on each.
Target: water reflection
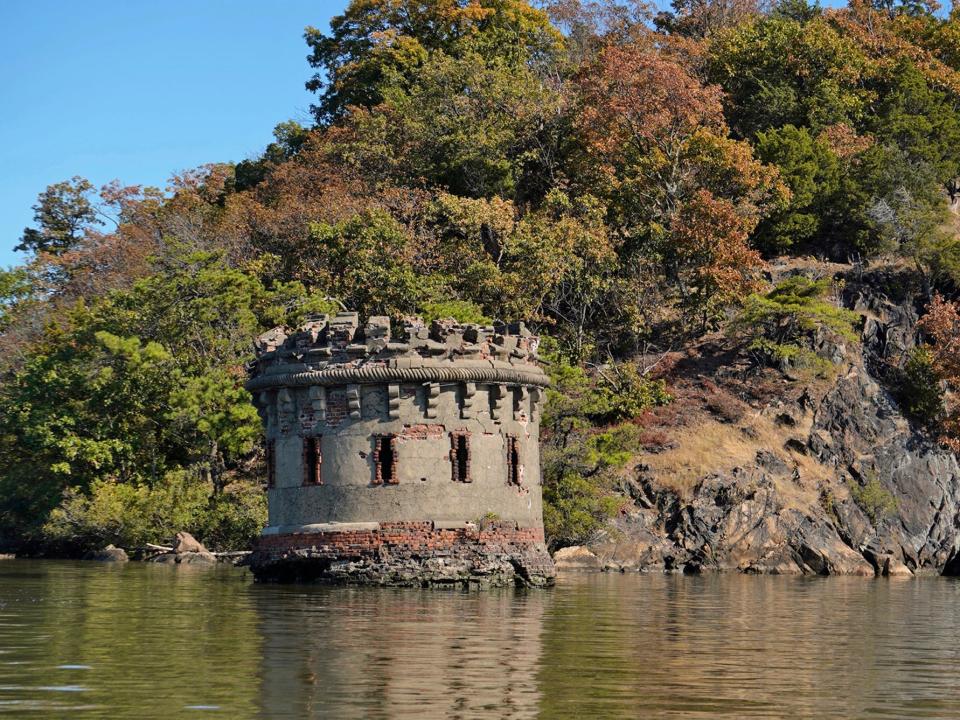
(89, 640)
(355, 653)
(123, 641)
(732, 646)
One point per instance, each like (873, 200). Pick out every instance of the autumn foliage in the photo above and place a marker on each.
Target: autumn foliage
(942, 325)
(617, 178)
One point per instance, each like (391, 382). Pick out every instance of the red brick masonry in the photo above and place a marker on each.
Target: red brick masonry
(406, 553)
(406, 536)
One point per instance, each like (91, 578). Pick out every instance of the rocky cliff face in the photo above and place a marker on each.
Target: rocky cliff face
(838, 482)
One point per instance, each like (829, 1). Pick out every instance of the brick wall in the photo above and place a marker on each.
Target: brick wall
(337, 409)
(404, 538)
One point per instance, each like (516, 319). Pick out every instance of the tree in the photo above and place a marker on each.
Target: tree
(709, 256)
(704, 18)
(289, 139)
(367, 263)
(64, 211)
(780, 325)
(657, 151)
(581, 464)
(778, 71)
(812, 172)
(476, 128)
(919, 119)
(941, 323)
(920, 389)
(655, 135)
(15, 287)
(139, 384)
(380, 44)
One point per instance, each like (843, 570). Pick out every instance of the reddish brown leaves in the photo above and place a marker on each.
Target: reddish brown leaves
(634, 95)
(715, 264)
(942, 325)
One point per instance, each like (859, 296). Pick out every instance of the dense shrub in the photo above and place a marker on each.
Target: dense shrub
(920, 389)
(130, 516)
(780, 325)
(873, 498)
(581, 465)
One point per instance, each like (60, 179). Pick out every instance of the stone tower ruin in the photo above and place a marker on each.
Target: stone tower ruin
(410, 461)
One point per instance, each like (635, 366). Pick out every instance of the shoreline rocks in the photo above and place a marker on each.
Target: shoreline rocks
(110, 553)
(841, 482)
(187, 550)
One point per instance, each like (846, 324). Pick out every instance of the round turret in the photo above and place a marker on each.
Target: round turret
(409, 461)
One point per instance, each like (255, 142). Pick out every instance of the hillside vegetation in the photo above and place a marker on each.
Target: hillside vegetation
(621, 179)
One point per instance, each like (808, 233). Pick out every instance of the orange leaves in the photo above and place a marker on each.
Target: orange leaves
(888, 41)
(634, 95)
(714, 263)
(942, 325)
(843, 140)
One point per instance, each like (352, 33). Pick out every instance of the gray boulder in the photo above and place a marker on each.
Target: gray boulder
(108, 554)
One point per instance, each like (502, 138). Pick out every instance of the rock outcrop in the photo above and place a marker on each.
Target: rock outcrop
(841, 485)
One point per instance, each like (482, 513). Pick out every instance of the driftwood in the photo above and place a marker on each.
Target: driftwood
(152, 550)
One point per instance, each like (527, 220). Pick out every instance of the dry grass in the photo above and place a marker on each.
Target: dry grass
(711, 446)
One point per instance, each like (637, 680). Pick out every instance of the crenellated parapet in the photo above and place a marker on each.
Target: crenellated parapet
(336, 350)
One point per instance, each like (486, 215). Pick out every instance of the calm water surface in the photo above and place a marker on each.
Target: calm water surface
(139, 641)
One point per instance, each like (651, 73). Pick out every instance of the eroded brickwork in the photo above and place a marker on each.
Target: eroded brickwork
(426, 554)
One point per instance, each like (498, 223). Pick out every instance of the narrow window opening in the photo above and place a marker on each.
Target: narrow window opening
(460, 456)
(513, 461)
(270, 456)
(312, 461)
(385, 460)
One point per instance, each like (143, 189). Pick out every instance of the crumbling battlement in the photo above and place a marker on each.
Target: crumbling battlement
(340, 343)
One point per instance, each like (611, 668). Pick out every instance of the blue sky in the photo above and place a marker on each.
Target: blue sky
(137, 90)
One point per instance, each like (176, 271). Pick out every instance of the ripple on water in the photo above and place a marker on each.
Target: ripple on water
(147, 639)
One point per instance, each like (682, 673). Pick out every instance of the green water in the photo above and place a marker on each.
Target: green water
(140, 641)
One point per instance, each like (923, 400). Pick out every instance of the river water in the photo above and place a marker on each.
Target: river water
(91, 640)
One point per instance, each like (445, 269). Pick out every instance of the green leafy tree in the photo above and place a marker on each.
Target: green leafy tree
(920, 388)
(15, 287)
(812, 172)
(779, 71)
(377, 45)
(780, 324)
(140, 384)
(475, 127)
(289, 138)
(582, 464)
(919, 119)
(367, 262)
(63, 213)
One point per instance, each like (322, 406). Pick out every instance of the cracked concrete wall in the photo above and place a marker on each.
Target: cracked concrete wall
(425, 488)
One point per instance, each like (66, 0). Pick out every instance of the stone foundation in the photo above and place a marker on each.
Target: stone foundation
(406, 554)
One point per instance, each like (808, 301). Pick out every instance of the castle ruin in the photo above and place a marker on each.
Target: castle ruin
(410, 461)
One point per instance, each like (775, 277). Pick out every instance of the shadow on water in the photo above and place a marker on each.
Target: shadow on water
(140, 641)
